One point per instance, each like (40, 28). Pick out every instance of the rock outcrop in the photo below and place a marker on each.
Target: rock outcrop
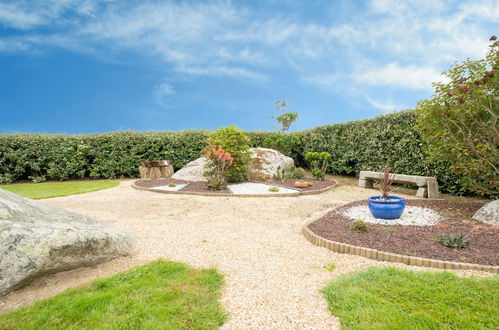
(264, 164)
(36, 239)
(489, 213)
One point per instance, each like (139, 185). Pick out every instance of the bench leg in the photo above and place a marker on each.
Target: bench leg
(433, 189)
(365, 183)
(422, 192)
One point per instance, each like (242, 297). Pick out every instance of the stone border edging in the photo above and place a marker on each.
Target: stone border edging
(198, 193)
(388, 256)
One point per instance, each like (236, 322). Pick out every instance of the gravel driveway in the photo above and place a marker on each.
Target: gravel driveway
(272, 274)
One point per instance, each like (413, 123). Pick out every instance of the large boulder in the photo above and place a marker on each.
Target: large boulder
(264, 164)
(489, 213)
(36, 239)
(193, 171)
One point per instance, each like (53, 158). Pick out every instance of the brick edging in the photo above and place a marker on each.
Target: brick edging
(198, 193)
(388, 256)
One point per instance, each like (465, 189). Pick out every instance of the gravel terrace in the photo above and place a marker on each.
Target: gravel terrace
(272, 274)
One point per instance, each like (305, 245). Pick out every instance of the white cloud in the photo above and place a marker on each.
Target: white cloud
(162, 92)
(395, 75)
(385, 106)
(17, 17)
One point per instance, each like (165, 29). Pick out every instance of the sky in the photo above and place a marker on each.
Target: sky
(88, 66)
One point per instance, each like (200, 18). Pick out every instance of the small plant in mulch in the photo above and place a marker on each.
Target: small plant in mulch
(330, 266)
(359, 226)
(453, 241)
(172, 185)
(146, 180)
(310, 184)
(274, 189)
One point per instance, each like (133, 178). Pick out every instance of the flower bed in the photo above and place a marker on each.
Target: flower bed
(200, 187)
(418, 241)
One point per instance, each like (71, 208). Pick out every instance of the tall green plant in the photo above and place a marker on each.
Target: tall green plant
(281, 141)
(235, 142)
(459, 123)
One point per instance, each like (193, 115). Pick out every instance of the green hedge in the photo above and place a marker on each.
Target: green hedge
(355, 146)
(366, 145)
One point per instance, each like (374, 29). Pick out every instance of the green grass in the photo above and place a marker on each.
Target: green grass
(158, 295)
(391, 298)
(58, 189)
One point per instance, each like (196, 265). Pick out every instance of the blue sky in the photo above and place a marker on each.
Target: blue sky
(69, 66)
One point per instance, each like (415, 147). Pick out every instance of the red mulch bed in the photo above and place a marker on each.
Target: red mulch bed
(420, 241)
(199, 186)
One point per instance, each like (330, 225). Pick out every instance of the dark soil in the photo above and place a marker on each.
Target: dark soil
(200, 186)
(420, 241)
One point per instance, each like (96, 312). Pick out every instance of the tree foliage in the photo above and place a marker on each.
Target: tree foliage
(459, 123)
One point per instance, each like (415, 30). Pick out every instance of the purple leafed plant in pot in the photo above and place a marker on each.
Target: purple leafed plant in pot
(386, 206)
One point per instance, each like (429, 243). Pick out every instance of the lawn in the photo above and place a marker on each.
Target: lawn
(158, 295)
(391, 298)
(58, 189)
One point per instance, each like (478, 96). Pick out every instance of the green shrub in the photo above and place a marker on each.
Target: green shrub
(284, 143)
(318, 162)
(453, 241)
(274, 189)
(359, 226)
(298, 173)
(459, 122)
(234, 141)
(172, 185)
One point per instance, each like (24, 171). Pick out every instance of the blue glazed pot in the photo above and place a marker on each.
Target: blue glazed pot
(390, 209)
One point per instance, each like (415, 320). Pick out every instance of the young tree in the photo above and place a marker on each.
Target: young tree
(286, 119)
(459, 123)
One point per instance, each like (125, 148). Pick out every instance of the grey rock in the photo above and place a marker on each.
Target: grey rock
(36, 239)
(264, 164)
(489, 213)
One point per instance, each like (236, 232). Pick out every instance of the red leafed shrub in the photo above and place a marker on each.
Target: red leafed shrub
(219, 161)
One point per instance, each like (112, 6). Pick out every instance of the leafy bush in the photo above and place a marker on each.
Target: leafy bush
(298, 173)
(274, 189)
(459, 123)
(235, 142)
(318, 162)
(219, 163)
(453, 241)
(359, 226)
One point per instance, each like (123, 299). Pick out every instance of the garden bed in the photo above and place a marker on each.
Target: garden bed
(201, 187)
(418, 241)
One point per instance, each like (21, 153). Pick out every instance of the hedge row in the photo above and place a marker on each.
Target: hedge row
(357, 145)
(366, 145)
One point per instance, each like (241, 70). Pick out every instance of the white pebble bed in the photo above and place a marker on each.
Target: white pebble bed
(176, 188)
(412, 216)
(247, 188)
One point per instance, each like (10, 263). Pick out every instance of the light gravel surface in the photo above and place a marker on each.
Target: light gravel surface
(168, 188)
(249, 188)
(412, 216)
(272, 273)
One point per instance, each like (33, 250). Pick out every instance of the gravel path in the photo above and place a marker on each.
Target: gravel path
(272, 274)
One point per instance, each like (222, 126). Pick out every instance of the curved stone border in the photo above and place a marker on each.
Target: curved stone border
(198, 193)
(387, 256)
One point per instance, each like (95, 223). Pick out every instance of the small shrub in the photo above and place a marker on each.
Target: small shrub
(298, 173)
(172, 185)
(453, 241)
(310, 184)
(330, 266)
(219, 161)
(358, 226)
(282, 175)
(146, 180)
(318, 162)
(274, 189)
(236, 143)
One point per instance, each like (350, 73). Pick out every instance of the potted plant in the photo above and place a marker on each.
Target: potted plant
(386, 206)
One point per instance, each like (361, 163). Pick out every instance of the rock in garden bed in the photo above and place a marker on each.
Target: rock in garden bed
(36, 239)
(416, 240)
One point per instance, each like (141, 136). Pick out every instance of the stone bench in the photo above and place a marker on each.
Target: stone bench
(427, 185)
(155, 169)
